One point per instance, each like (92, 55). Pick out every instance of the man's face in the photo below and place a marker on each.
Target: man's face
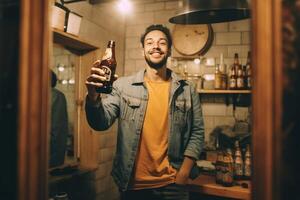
(156, 50)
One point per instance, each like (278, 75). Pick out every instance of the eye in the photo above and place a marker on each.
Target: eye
(163, 42)
(148, 42)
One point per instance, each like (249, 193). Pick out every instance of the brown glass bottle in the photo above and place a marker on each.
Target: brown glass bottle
(108, 65)
(238, 162)
(228, 169)
(232, 78)
(219, 167)
(248, 72)
(218, 78)
(248, 164)
(240, 81)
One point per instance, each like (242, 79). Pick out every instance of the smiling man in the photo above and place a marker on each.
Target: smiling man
(160, 125)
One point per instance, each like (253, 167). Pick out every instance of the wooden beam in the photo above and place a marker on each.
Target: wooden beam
(33, 100)
(266, 48)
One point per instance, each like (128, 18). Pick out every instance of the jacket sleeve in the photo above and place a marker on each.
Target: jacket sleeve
(196, 141)
(102, 115)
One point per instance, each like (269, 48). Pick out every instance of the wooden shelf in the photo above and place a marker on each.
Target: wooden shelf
(72, 42)
(224, 91)
(207, 185)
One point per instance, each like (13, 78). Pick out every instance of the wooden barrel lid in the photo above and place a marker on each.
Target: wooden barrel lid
(192, 39)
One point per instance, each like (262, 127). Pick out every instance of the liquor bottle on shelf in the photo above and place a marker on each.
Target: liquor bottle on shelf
(228, 169)
(219, 167)
(240, 81)
(232, 78)
(238, 162)
(248, 163)
(248, 72)
(218, 78)
(233, 84)
(223, 69)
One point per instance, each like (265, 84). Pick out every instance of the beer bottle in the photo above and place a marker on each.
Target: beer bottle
(232, 78)
(108, 65)
(247, 164)
(222, 68)
(248, 72)
(238, 162)
(240, 83)
(219, 166)
(218, 78)
(228, 171)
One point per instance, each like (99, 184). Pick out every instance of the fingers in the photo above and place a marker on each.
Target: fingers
(93, 84)
(97, 70)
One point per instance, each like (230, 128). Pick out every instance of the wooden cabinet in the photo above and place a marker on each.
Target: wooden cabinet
(85, 142)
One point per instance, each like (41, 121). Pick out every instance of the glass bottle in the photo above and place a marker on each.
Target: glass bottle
(108, 65)
(248, 72)
(219, 167)
(228, 170)
(248, 164)
(218, 78)
(223, 69)
(238, 162)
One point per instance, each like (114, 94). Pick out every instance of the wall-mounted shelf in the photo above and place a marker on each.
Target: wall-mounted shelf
(202, 91)
(71, 42)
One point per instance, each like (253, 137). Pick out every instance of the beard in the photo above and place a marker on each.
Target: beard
(156, 65)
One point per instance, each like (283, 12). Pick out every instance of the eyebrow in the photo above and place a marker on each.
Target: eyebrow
(158, 40)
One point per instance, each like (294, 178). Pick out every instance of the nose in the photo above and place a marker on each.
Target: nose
(155, 44)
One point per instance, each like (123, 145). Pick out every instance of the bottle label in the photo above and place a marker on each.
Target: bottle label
(240, 82)
(107, 54)
(232, 83)
(107, 72)
(238, 169)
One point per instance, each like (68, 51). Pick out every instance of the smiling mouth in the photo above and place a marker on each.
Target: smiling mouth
(156, 53)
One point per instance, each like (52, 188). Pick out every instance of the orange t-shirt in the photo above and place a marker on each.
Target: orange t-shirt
(152, 167)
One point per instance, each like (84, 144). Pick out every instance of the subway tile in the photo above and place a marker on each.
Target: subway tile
(154, 6)
(133, 42)
(246, 39)
(173, 5)
(220, 27)
(214, 109)
(229, 38)
(241, 25)
(162, 17)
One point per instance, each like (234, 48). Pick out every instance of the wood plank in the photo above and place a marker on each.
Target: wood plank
(33, 127)
(224, 91)
(206, 185)
(266, 98)
(73, 43)
(89, 141)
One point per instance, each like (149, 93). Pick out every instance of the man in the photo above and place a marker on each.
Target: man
(59, 125)
(160, 129)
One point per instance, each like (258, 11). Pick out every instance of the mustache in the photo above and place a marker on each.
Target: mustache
(157, 50)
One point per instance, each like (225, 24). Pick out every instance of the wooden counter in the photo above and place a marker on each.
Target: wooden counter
(206, 185)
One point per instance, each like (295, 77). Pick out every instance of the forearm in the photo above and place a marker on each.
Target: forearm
(95, 114)
(187, 164)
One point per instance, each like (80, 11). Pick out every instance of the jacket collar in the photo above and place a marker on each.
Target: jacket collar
(139, 77)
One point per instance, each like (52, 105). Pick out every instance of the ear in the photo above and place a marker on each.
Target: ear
(143, 53)
(169, 52)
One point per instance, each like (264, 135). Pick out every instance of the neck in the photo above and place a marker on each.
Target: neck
(157, 74)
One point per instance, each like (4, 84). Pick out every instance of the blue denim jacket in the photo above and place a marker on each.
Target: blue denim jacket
(128, 102)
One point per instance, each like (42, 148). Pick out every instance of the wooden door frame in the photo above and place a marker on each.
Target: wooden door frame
(33, 100)
(267, 98)
(33, 97)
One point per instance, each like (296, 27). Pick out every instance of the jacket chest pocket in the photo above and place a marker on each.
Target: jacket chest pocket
(130, 108)
(182, 108)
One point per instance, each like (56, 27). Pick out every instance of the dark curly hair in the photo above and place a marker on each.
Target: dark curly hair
(157, 27)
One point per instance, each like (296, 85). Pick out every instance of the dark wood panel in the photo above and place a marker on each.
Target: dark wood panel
(266, 42)
(33, 100)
